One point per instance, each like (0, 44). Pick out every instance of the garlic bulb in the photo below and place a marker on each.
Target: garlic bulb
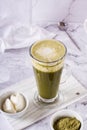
(8, 106)
(15, 103)
(18, 101)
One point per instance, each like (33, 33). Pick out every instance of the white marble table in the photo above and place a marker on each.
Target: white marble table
(15, 66)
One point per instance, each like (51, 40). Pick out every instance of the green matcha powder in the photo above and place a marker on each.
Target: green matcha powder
(67, 123)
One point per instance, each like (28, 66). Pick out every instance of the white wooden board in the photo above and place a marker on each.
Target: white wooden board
(71, 91)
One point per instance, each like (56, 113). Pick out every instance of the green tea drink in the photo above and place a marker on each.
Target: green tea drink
(47, 60)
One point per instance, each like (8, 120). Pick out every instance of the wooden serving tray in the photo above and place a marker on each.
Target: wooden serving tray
(70, 92)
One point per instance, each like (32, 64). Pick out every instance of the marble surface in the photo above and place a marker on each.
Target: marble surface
(55, 10)
(42, 11)
(15, 65)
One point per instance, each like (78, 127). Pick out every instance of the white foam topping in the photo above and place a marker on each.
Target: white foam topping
(45, 51)
(48, 51)
(48, 54)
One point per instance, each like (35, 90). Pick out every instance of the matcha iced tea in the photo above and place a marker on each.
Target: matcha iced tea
(47, 60)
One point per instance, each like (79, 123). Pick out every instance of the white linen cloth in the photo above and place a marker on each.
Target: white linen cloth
(19, 36)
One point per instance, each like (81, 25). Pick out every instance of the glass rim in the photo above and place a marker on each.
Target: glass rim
(49, 61)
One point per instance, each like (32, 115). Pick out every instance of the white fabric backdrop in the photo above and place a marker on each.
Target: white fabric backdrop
(12, 11)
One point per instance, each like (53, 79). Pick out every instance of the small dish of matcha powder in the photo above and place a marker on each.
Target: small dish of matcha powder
(67, 123)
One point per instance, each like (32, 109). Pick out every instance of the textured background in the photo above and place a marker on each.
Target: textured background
(42, 11)
(56, 10)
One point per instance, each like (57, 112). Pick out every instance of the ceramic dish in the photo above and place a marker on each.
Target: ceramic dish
(65, 113)
(6, 95)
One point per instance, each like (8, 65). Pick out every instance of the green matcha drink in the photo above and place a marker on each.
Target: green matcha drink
(47, 60)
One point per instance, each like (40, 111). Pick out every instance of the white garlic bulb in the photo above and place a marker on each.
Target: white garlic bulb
(18, 101)
(15, 103)
(8, 106)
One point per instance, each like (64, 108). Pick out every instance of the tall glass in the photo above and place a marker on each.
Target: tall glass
(47, 60)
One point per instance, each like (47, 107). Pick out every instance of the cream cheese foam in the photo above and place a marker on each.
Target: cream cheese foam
(47, 52)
